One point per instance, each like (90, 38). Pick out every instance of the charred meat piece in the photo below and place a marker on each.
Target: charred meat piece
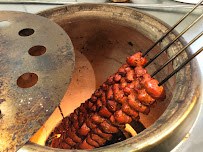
(112, 105)
(55, 143)
(117, 77)
(157, 92)
(130, 76)
(65, 146)
(135, 104)
(84, 130)
(139, 71)
(108, 128)
(98, 139)
(70, 142)
(121, 117)
(85, 145)
(136, 60)
(128, 110)
(92, 142)
(109, 94)
(104, 112)
(97, 119)
(73, 136)
(90, 123)
(145, 98)
(101, 134)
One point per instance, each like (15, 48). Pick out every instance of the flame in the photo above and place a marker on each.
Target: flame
(58, 135)
(67, 103)
(130, 129)
(43, 133)
(39, 136)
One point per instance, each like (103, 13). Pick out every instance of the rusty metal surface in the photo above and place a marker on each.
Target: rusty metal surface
(182, 110)
(25, 110)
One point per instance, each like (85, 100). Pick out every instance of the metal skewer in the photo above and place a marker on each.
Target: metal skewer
(61, 111)
(180, 67)
(167, 46)
(171, 59)
(199, 3)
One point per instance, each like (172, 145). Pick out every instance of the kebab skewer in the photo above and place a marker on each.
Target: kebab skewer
(117, 102)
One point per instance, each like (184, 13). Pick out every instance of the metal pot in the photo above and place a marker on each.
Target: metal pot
(103, 36)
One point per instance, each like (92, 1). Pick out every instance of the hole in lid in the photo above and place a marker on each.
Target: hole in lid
(4, 23)
(26, 32)
(27, 80)
(37, 50)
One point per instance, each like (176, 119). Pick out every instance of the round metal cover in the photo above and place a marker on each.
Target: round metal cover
(36, 65)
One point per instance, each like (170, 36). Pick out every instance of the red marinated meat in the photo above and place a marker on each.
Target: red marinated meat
(119, 95)
(139, 71)
(90, 123)
(98, 139)
(70, 142)
(117, 77)
(84, 130)
(145, 98)
(108, 128)
(157, 92)
(130, 76)
(85, 145)
(103, 98)
(99, 103)
(97, 119)
(135, 104)
(112, 105)
(127, 109)
(92, 142)
(98, 93)
(121, 117)
(104, 112)
(136, 60)
(65, 146)
(93, 98)
(101, 134)
(110, 80)
(73, 136)
(116, 103)
(109, 94)
(55, 143)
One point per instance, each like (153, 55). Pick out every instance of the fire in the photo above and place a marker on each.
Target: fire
(130, 129)
(71, 99)
(58, 135)
(43, 133)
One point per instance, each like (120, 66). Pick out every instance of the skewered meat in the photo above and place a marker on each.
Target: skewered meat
(116, 103)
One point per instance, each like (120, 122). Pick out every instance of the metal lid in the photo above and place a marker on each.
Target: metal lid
(36, 66)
